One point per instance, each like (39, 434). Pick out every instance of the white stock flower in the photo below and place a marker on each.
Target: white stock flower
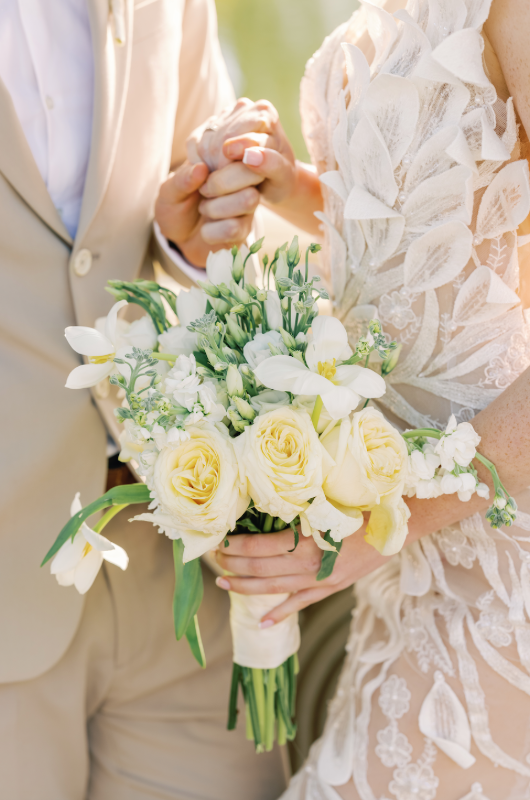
(178, 340)
(182, 382)
(421, 477)
(206, 405)
(257, 350)
(483, 490)
(464, 484)
(458, 444)
(78, 562)
(100, 348)
(340, 386)
(199, 495)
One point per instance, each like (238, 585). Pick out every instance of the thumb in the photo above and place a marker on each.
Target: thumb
(186, 180)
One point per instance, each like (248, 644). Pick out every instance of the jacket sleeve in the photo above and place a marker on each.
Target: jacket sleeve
(205, 88)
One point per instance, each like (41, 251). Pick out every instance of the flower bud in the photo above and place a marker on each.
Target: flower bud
(390, 363)
(285, 303)
(293, 254)
(245, 409)
(116, 293)
(210, 355)
(236, 332)
(282, 270)
(256, 246)
(237, 266)
(241, 294)
(288, 340)
(209, 288)
(499, 502)
(261, 295)
(275, 350)
(239, 309)
(314, 248)
(234, 382)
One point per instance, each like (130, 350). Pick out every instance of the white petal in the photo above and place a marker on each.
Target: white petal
(66, 578)
(339, 401)
(88, 341)
(364, 381)
(117, 556)
(97, 541)
(88, 375)
(87, 570)
(112, 320)
(196, 544)
(330, 339)
(76, 504)
(69, 555)
(219, 267)
(190, 305)
(287, 374)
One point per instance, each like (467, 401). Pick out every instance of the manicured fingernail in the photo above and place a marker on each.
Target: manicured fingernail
(267, 623)
(222, 583)
(253, 156)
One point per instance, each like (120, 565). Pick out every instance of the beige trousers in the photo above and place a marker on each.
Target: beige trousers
(127, 714)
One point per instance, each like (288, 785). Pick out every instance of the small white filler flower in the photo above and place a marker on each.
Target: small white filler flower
(78, 562)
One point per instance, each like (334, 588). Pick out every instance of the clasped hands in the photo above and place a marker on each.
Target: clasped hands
(236, 161)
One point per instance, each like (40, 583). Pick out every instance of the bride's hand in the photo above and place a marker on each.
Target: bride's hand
(262, 564)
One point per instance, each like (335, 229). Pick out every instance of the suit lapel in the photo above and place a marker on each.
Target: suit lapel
(20, 169)
(111, 77)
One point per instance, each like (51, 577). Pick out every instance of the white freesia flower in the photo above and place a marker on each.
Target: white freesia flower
(139, 333)
(199, 495)
(78, 562)
(458, 444)
(340, 386)
(257, 350)
(464, 484)
(100, 348)
(178, 339)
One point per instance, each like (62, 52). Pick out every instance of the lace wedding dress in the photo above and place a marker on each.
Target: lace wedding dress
(426, 190)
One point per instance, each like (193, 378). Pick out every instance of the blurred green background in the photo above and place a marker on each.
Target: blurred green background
(266, 44)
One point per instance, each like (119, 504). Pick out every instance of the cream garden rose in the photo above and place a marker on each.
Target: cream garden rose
(198, 492)
(281, 460)
(370, 468)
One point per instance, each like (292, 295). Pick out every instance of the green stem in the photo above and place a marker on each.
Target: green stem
(315, 416)
(164, 356)
(267, 525)
(306, 264)
(232, 704)
(259, 691)
(433, 433)
(106, 518)
(282, 730)
(497, 483)
(270, 716)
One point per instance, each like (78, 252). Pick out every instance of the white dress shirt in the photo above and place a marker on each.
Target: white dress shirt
(47, 65)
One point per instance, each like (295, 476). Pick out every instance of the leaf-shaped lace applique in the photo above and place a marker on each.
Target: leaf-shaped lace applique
(438, 256)
(483, 296)
(370, 162)
(444, 720)
(358, 72)
(476, 792)
(461, 54)
(336, 754)
(394, 106)
(423, 348)
(340, 143)
(352, 232)
(477, 13)
(445, 17)
(383, 32)
(413, 45)
(333, 180)
(506, 201)
(382, 226)
(416, 575)
(338, 256)
(447, 197)
(433, 158)
(441, 104)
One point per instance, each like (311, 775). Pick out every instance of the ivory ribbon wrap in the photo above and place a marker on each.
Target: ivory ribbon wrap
(261, 648)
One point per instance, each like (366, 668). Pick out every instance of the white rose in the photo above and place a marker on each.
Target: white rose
(269, 400)
(458, 444)
(281, 459)
(257, 350)
(198, 492)
(370, 460)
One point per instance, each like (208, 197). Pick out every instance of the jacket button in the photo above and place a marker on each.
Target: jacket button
(83, 262)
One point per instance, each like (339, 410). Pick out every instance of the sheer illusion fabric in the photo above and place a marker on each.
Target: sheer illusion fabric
(426, 192)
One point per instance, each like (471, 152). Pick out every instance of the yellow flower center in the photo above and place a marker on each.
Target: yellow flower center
(327, 369)
(101, 359)
(197, 473)
(86, 550)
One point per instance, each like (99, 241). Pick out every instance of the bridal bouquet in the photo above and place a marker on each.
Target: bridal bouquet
(251, 416)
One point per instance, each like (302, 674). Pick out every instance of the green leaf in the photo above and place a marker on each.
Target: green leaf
(232, 703)
(328, 558)
(188, 590)
(118, 496)
(193, 635)
(201, 358)
(248, 524)
(296, 538)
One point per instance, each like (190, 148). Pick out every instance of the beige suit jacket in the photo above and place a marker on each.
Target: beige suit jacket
(149, 94)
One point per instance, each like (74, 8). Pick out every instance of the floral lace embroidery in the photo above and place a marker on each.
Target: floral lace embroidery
(396, 309)
(417, 638)
(417, 781)
(494, 625)
(455, 547)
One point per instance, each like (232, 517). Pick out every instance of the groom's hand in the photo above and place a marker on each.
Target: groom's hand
(197, 231)
(263, 564)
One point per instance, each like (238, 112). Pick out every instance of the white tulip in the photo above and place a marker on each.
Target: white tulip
(78, 562)
(340, 387)
(100, 348)
(458, 444)
(274, 310)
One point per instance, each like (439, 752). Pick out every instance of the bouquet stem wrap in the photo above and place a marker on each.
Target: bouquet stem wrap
(265, 665)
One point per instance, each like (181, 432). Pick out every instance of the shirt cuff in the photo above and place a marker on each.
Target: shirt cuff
(194, 273)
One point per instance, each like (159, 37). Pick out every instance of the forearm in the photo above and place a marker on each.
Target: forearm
(306, 198)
